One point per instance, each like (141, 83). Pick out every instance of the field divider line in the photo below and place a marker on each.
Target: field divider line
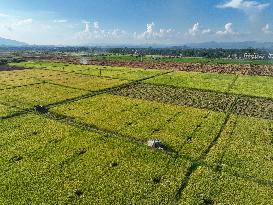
(65, 86)
(199, 124)
(69, 100)
(203, 155)
(108, 133)
(99, 92)
(16, 114)
(218, 135)
(231, 85)
(228, 141)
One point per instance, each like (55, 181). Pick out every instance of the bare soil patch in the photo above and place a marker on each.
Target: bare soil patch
(11, 68)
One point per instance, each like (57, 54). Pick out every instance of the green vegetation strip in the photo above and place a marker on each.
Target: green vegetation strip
(47, 162)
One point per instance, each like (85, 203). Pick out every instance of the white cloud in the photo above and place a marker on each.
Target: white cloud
(197, 30)
(16, 24)
(4, 15)
(251, 8)
(266, 29)
(244, 5)
(60, 21)
(194, 30)
(96, 25)
(206, 31)
(23, 22)
(94, 34)
(228, 30)
(151, 34)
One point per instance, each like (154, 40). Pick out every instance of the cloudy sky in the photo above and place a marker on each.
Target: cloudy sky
(82, 22)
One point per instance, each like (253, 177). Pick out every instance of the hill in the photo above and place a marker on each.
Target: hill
(9, 42)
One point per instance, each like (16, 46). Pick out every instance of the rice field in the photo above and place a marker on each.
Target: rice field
(77, 134)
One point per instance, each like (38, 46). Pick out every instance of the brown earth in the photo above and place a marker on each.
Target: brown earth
(10, 68)
(245, 69)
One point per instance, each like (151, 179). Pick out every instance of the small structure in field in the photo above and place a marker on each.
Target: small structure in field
(41, 109)
(155, 143)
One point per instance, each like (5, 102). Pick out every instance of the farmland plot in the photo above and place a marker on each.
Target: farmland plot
(260, 86)
(209, 187)
(3, 86)
(17, 78)
(48, 162)
(6, 110)
(217, 131)
(43, 94)
(62, 78)
(122, 73)
(205, 81)
(245, 148)
(185, 130)
(83, 82)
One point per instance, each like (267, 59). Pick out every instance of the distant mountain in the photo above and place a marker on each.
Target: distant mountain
(232, 45)
(8, 42)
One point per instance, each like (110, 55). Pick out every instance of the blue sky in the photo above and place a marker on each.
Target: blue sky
(74, 22)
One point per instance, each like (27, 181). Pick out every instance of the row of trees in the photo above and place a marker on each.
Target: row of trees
(4, 61)
(187, 52)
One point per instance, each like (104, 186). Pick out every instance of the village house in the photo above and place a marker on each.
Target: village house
(253, 56)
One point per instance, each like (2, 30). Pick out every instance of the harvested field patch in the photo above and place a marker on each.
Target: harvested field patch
(246, 69)
(220, 102)
(254, 107)
(11, 68)
(179, 96)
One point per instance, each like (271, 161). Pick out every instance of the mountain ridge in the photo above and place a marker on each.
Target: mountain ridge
(10, 42)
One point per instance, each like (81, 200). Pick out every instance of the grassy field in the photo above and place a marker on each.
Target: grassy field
(89, 143)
